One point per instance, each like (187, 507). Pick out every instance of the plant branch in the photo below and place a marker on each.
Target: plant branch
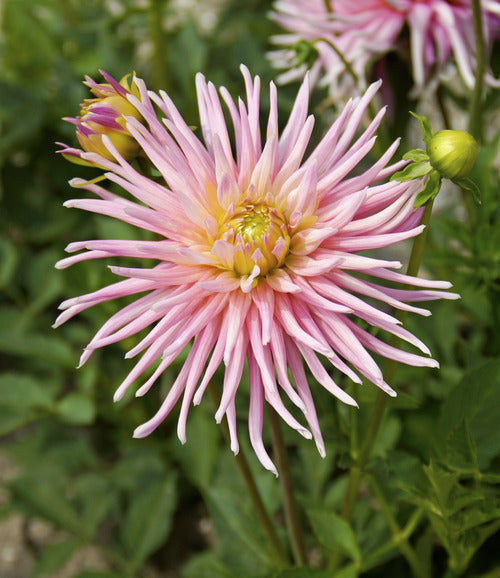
(289, 502)
(253, 490)
(399, 536)
(476, 105)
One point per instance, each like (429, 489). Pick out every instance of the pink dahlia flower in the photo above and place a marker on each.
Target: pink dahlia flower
(350, 35)
(258, 256)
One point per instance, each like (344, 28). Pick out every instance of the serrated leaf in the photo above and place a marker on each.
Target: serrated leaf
(412, 171)
(334, 533)
(149, 520)
(54, 556)
(430, 190)
(425, 126)
(416, 155)
(461, 452)
(76, 409)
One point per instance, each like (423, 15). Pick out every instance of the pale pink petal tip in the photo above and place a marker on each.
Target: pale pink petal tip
(141, 432)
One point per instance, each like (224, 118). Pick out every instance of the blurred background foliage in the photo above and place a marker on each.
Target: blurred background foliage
(152, 507)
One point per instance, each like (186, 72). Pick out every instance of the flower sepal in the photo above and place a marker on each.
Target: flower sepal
(430, 191)
(305, 53)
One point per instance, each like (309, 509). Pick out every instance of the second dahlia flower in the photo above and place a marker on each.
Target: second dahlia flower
(260, 256)
(350, 35)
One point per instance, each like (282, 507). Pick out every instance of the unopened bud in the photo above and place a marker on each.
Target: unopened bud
(105, 115)
(452, 153)
(305, 53)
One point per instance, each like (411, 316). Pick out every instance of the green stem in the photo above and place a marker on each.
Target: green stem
(158, 37)
(442, 108)
(399, 537)
(370, 435)
(253, 490)
(476, 105)
(347, 65)
(289, 502)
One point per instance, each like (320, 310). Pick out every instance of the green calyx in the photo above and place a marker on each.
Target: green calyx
(305, 53)
(448, 154)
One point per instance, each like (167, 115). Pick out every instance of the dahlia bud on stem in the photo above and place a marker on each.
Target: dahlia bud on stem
(449, 154)
(105, 115)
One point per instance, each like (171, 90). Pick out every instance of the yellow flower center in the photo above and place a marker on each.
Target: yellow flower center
(260, 237)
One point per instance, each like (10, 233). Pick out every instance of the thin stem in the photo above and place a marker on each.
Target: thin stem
(289, 502)
(476, 105)
(442, 108)
(158, 37)
(400, 540)
(347, 65)
(253, 490)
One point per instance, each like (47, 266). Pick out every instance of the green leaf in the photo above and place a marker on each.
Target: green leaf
(76, 409)
(470, 186)
(430, 190)
(476, 400)
(45, 498)
(334, 533)
(51, 349)
(44, 282)
(412, 171)
(22, 390)
(205, 565)
(97, 574)
(227, 503)
(14, 418)
(416, 155)
(149, 520)
(98, 497)
(425, 126)
(199, 459)
(54, 556)
(306, 573)
(461, 451)
(9, 259)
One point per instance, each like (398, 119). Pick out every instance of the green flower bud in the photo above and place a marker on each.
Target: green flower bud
(452, 153)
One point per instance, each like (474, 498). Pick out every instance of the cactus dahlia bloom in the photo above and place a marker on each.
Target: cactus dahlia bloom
(360, 32)
(258, 256)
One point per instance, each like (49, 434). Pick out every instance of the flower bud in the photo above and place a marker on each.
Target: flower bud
(105, 115)
(305, 53)
(452, 153)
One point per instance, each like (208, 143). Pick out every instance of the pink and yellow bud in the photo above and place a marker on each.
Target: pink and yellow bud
(452, 153)
(106, 115)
